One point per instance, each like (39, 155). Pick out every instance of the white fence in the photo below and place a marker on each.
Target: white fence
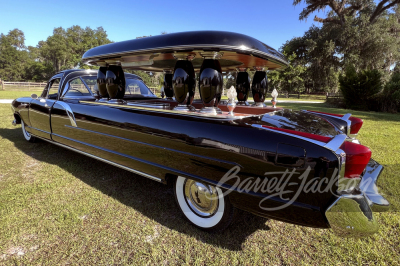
(23, 85)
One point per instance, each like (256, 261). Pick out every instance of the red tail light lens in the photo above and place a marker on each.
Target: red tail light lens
(356, 124)
(357, 158)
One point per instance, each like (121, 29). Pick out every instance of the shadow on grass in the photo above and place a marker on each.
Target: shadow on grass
(152, 199)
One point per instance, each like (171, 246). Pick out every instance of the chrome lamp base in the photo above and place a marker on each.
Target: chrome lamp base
(117, 101)
(184, 108)
(259, 104)
(210, 110)
(243, 103)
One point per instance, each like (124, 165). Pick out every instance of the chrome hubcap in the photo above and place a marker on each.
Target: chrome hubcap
(201, 198)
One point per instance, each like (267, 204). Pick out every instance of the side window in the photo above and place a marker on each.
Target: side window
(51, 90)
(77, 87)
(91, 82)
(137, 87)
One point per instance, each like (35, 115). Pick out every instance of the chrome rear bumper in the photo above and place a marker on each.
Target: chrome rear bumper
(351, 215)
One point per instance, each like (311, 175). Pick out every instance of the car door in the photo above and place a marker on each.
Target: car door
(67, 113)
(40, 108)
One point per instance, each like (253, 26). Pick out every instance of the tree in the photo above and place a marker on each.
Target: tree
(65, 48)
(290, 79)
(341, 10)
(13, 55)
(358, 86)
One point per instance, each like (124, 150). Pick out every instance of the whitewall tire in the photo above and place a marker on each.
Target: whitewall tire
(203, 205)
(26, 134)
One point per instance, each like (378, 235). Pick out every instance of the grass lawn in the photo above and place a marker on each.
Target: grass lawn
(60, 207)
(18, 94)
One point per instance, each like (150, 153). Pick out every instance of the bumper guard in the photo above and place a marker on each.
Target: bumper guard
(351, 215)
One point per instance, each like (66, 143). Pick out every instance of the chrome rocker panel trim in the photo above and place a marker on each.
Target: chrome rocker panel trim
(104, 160)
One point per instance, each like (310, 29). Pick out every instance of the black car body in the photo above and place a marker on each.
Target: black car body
(170, 141)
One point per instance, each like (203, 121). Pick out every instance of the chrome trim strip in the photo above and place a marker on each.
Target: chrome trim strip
(191, 114)
(104, 160)
(289, 134)
(156, 146)
(336, 142)
(70, 114)
(332, 145)
(346, 117)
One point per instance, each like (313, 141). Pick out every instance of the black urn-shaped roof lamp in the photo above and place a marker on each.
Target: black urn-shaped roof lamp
(101, 84)
(259, 87)
(211, 83)
(115, 83)
(168, 89)
(183, 84)
(242, 86)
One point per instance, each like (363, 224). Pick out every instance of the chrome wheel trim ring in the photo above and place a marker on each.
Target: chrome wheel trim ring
(201, 198)
(27, 135)
(203, 222)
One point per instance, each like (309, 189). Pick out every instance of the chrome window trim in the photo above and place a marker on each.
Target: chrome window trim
(68, 84)
(336, 142)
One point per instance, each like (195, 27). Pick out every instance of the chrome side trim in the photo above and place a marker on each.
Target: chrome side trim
(336, 142)
(70, 114)
(156, 146)
(346, 117)
(289, 134)
(351, 216)
(332, 145)
(368, 185)
(104, 160)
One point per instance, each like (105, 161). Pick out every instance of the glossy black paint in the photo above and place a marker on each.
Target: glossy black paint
(211, 82)
(242, 87)
(161, 144)
(259, 87)
(183, 82)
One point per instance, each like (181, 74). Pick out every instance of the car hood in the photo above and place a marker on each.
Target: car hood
(300, 121)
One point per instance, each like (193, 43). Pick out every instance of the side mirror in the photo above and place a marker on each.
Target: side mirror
(34, 96)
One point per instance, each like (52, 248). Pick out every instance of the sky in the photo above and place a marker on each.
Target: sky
(272, 22)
